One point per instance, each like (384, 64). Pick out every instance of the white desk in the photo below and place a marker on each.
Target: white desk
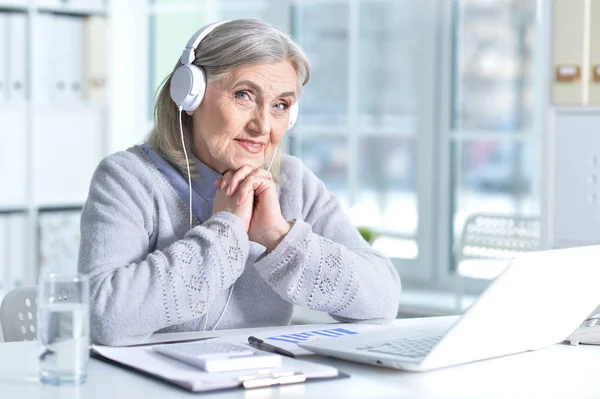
(560, 371)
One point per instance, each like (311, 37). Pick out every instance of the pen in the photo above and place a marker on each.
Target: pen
(262, 345)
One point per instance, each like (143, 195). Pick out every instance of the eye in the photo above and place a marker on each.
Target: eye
(242, 95)
(282, 106)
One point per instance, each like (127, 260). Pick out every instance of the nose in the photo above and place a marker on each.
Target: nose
(260, 123)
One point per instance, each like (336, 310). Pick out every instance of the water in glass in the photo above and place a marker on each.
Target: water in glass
(63, 335)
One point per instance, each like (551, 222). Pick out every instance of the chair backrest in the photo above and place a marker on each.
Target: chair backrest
(487, 236)
(18, 313)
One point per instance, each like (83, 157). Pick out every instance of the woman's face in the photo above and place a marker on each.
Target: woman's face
(244, 115)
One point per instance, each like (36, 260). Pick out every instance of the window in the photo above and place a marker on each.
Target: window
(493, 142)
(358, 129)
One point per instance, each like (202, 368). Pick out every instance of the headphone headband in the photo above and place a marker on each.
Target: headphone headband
(189, 53)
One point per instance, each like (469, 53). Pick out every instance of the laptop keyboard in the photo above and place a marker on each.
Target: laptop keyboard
(406, 347)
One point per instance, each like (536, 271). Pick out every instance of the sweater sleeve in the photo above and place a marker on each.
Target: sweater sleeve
(323, 263)
(135, 292)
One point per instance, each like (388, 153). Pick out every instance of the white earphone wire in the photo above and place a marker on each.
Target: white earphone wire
(205, 319)
(223, 312)
(187, 162)
(272, 159)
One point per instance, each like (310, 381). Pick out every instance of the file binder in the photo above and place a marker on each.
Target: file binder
(4, 61)
(569, 49)
(595, 53)
(76, 62)
(67, 62)
(96, 56)
(17, 57)
(41, 76)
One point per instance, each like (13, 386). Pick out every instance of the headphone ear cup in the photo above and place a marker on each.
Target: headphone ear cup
(293, 115)
(188, 86)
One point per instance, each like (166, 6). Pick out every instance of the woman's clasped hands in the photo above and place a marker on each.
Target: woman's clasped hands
(252, 196)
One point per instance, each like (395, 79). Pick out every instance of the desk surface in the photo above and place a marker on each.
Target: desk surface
(560, 371)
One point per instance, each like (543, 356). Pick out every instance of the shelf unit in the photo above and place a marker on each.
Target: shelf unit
(50, 145)
(572, 177)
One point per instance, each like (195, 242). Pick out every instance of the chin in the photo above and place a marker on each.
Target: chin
(253, 163)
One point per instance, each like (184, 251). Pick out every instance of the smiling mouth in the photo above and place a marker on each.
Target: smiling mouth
(251, 146)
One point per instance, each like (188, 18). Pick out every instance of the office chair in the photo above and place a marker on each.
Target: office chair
(18, 313)
(487, 238)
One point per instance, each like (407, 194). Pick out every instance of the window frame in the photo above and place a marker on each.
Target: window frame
(419, 271)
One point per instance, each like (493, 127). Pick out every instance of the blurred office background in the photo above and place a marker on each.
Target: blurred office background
(422, 116)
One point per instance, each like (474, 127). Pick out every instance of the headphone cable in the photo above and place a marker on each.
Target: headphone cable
(187, 162)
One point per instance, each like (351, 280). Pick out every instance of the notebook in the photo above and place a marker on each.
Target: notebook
(536, 302)
(146, 360)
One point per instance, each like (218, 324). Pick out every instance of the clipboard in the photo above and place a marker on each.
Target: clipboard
(145, 360)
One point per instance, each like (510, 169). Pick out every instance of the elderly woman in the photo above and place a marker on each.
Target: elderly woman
(251, 243)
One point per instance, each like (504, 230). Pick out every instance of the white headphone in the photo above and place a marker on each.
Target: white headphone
(188, 83)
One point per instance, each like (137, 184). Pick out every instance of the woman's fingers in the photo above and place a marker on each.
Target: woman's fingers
(231, 180)
(221, 182)
(253, 185)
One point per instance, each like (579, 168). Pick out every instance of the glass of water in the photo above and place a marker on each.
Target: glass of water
(63, 328)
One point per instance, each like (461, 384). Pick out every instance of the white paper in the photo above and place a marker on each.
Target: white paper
(288, 337)
(144, 358)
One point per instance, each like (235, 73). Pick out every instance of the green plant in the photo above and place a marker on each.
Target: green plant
(366, 233)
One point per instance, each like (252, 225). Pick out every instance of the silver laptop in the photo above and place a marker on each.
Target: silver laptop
(539, 300)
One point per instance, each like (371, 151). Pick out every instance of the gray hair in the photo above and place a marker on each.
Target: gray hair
(228, 46)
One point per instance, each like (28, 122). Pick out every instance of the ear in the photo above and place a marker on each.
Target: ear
(190, 113)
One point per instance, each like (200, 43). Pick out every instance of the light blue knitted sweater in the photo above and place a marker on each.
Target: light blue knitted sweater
(150, 273)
